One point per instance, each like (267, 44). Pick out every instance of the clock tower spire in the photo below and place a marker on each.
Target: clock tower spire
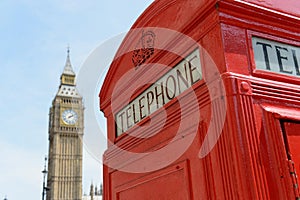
(65, 139)
(68, 75)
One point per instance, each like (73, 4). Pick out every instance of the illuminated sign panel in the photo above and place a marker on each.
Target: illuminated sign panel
(276, 57)
(169, 86)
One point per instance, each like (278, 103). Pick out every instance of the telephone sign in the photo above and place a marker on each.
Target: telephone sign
(276, 57)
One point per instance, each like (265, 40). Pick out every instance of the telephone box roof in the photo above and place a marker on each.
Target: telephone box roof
(174, 15)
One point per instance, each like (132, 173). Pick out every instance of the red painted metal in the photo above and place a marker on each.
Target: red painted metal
(257, 153)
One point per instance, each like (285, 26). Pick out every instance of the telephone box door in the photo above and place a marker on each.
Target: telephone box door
(291, 131)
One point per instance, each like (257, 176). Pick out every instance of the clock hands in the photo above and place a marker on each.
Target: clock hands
(70, 116)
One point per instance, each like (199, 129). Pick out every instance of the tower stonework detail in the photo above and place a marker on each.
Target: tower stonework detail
(66, 124)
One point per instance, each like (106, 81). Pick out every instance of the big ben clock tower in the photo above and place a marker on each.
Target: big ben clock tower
(65, 140)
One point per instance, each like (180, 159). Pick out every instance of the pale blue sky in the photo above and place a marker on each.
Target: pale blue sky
(33, 39)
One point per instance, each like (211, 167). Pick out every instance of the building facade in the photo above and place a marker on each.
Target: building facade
(66, 119)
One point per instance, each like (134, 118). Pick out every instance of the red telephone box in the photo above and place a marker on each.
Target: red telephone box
(202, 101)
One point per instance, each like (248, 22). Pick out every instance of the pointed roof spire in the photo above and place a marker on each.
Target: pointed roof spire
(68, 70)
(92, 191)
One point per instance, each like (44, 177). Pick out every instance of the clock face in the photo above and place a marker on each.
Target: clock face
(69, 117)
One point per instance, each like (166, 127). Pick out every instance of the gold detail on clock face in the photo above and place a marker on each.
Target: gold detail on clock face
(69, 116)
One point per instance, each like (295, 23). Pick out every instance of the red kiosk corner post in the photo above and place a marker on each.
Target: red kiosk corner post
(202, 101)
